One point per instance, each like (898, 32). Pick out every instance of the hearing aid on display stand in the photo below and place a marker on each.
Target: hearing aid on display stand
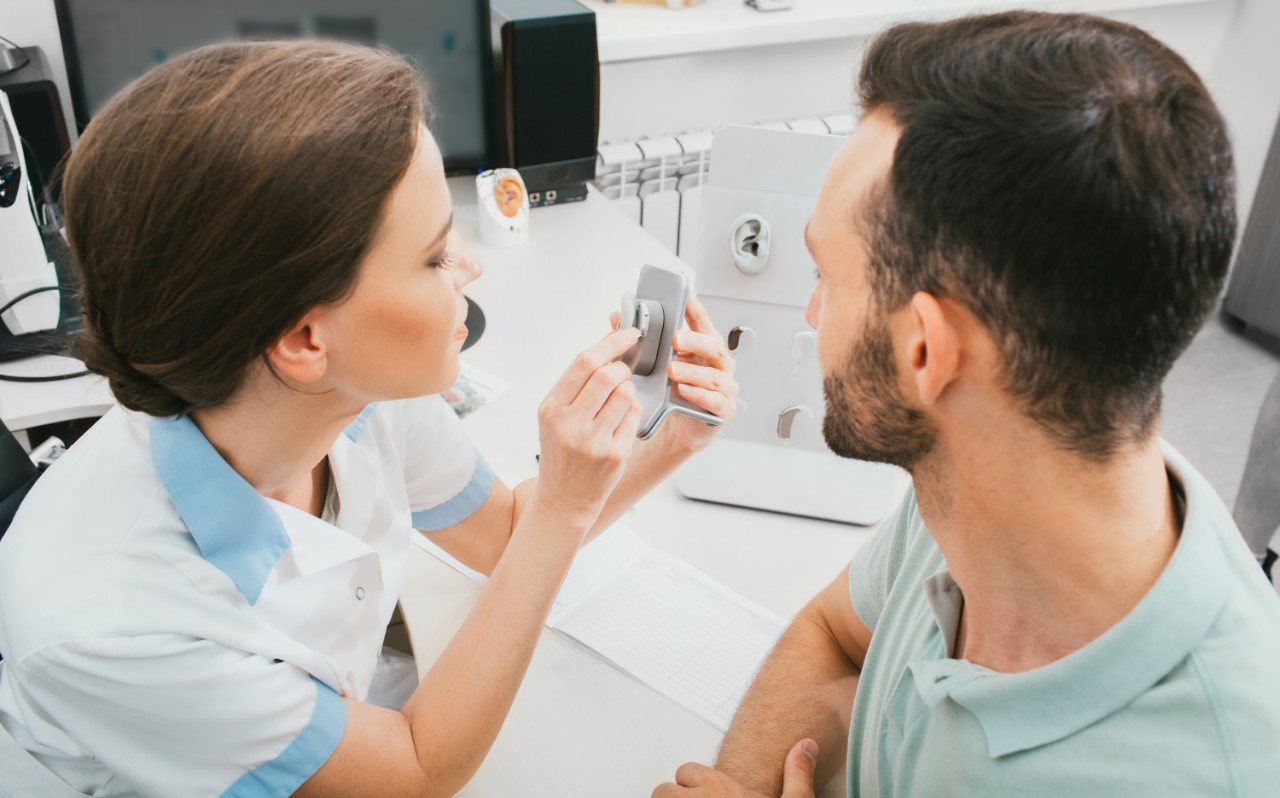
(504, 208)
(735, 337)
(787, 419)
(656, 308)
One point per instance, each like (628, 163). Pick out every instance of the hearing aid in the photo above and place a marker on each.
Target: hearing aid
(656, 308)
(647, 316)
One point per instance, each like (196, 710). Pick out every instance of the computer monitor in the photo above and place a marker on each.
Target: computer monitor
(108, 43)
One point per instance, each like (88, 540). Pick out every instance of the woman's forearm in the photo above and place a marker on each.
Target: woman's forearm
(457, 710)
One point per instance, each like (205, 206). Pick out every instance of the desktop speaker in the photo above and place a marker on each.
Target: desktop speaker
(547, 114)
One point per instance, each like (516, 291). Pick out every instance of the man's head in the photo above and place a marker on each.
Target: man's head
(1063, 180)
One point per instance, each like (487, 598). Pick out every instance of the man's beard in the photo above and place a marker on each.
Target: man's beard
(868, 418)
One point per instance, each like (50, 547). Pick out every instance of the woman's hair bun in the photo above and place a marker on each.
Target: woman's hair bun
(130, 386)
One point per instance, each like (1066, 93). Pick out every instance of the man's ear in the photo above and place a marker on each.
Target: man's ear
(300, 355)
(933, 346)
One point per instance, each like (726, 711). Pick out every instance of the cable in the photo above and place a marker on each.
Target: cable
(9, 305)
(26, 59)
(43, 378)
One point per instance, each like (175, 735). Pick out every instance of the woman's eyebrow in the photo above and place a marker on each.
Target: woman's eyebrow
(439, 236)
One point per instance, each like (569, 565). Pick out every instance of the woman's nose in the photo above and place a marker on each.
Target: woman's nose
(466, 268)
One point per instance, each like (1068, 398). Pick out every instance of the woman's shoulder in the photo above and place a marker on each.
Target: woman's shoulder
(96, 528)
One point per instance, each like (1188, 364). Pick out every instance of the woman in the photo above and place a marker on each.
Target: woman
(263, 237)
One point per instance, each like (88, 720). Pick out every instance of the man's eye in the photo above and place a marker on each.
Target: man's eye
(442, 262)
(817, 275)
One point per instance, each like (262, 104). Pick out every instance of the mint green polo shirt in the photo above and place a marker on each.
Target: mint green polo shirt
(1180, 698)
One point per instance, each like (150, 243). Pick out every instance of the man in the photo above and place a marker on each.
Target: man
(1030, 222)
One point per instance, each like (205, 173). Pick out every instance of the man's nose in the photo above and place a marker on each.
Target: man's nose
(813, 311)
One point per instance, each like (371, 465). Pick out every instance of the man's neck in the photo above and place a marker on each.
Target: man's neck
(1050, 550)
(277, 438)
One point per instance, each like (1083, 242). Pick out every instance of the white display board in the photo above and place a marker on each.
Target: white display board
(773, 456)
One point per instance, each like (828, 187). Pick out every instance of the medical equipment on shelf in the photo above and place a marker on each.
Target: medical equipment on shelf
(27, 278)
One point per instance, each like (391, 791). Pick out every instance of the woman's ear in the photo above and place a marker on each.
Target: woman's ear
(300, 355)
(933, 347)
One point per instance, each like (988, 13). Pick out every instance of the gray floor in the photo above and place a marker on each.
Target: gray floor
(1212, 396)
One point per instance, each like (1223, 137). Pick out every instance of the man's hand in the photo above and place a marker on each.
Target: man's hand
(694, 780)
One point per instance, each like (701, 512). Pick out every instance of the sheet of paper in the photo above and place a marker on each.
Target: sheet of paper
(661, 621)
(474, 389)
(668, 625)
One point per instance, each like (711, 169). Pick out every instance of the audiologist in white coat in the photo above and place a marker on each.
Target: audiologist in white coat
(193, 598)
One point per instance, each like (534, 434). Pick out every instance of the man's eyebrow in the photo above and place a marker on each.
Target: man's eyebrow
(808, 243)
(439, 236)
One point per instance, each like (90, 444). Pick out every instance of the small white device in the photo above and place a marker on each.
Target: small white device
(656, 308)
(504, 208)
(24, 266)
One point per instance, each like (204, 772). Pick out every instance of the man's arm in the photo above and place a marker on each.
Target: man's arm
(805, 689)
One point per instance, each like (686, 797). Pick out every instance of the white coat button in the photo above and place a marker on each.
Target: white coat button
(359, 594)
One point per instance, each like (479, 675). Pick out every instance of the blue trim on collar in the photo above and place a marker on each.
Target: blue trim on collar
(461, 506)
(353, 429)
(303, 756)
(232, 523)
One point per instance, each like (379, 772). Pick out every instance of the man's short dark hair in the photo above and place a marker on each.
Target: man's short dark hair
(1069, 180)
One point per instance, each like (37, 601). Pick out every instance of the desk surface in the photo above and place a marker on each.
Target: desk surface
(30, 404)
(579, 727)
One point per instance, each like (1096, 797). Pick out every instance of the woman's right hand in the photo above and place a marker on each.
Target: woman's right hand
(587, 428)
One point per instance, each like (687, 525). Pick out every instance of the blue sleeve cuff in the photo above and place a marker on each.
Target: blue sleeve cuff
(303, 757)
(461, 506)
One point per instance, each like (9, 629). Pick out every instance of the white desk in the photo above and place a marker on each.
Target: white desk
(30, 404)
(543, 304)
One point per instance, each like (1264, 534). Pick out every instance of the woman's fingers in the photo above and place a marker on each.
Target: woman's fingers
(615, 408)
(706, 377)
(586, 364)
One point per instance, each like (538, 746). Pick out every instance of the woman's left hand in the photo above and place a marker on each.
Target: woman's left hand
(702, 374)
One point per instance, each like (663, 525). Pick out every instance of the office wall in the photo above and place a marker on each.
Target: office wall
(1231, 42)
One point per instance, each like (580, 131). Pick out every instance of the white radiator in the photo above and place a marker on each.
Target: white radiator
(658, 181)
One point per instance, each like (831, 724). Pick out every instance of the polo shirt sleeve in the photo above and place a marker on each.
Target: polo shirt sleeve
(176, 715)
(446, 478)
(875, 566)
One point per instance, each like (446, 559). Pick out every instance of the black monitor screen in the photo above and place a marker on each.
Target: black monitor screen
(108, 43)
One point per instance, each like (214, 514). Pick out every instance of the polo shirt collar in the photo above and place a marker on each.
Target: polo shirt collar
(1026, 710)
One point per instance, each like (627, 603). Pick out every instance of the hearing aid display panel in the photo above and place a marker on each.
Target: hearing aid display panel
(657, 310)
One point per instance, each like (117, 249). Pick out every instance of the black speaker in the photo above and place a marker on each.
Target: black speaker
(547, 114)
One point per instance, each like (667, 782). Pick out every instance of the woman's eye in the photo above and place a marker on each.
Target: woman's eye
(442, 262)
